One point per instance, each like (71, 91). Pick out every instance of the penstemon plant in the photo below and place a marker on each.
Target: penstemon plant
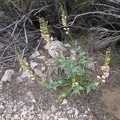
(44, 29)
(105, 68)
(75, 78)
(26, 68)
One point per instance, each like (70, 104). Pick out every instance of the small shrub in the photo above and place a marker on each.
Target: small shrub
(75, 78)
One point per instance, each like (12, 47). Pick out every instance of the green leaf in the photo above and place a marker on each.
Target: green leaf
(51, 81)
(81, 88)
(61, 96)
(78, 48)
(76, 90)
(65, 93)
(62, 56)
(46, 85)
(88, 90)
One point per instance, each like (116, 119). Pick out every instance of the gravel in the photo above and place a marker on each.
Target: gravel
(27, 107)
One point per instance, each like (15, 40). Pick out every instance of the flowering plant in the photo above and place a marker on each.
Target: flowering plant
(105, 68)
(26, 68)
(74, 78)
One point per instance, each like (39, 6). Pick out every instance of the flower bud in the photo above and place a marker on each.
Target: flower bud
(103, 81)
(96, 83)
(103, 68)
(98, 77)
(103, 77)
(67, 32)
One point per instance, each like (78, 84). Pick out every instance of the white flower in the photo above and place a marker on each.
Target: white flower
(76, 83)
(98, 77)
(103, 81)
(103, 67)
(96, 83)
(106, 74)
(104, 77)
(64, 28)
(26, 63)
(27, 71)
(65, 17)
(67, 32)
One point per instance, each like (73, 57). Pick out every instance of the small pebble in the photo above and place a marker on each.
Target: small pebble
(76, 112)
(53, 109)
(58, 113)
(24, 75)
(86, 112)
(64, 101)
(89, 109)
(70, 111)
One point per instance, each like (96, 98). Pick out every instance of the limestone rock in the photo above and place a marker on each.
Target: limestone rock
(33, 64)
(24, 75)
(7, 76)
(64, 101)
(35, 54)
(53, 109)
(55, 48)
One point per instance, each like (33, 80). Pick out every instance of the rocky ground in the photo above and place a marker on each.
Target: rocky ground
(27, 107)
(21, 98)
(24, 99)
(27, 100)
